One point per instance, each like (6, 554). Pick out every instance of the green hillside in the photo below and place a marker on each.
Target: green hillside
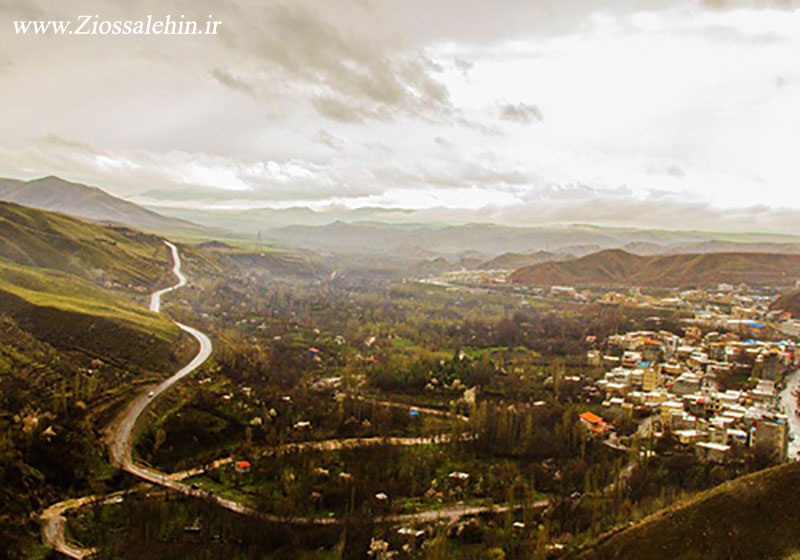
(110, 255)
(74, 345)
(40, 288)
(248, 256)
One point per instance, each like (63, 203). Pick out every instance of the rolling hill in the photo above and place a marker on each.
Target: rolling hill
(71, 352)
(266, 259)
(754, 516)
(57, 195)
(69, 312)
(101, 253)
(618, 267)
(73, 283)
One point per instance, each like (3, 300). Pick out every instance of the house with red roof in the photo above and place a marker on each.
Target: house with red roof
(594, 422)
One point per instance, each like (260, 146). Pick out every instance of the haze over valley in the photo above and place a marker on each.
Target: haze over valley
(348, 279)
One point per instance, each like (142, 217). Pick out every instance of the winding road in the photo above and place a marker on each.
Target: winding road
(121, 440)
(121, 437)
(121, 443)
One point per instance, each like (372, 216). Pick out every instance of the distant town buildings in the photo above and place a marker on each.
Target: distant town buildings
(682, 383)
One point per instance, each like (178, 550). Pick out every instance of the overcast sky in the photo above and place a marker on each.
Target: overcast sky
(648, 112)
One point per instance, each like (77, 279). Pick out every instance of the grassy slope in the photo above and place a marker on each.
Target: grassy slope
(64, 292)
(52, 268)
(70, 353)
(99, 253)
(755, 516)
(247, 255)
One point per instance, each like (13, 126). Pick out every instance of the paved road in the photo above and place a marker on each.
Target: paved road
(789, 403)
(155, 298)
(121, 445)
(120, 439)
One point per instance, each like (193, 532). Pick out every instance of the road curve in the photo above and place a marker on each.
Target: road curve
(121, 451)
(155, 298)
(120, 440)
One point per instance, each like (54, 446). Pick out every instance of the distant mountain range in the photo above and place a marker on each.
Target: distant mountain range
(57, 195)
(618, 267)
(386, 233)
(426, 241)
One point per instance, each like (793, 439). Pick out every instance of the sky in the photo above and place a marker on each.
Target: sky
(680, 114)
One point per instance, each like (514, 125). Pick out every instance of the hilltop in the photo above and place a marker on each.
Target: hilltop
(75, 199)
(754, 516)
(618, 267)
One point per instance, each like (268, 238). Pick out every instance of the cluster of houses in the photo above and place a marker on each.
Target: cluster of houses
(684, 383)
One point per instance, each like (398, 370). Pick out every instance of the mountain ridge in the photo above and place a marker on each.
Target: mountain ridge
(55, 194)
(619, 267)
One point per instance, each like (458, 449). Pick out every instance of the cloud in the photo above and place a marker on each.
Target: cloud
(229, 80)
(355, 78)
(339, 109)
(760, 4)
(463, 65)
(331, 141)
(367, 101)
(521, 113)
(443, 143)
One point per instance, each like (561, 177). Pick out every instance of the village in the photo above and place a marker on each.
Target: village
(718, 388)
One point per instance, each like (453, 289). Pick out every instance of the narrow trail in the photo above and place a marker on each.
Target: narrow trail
(321, 445)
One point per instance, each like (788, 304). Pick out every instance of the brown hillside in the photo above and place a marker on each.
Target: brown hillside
(788, 302)
(617, 267)
(755, 516)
